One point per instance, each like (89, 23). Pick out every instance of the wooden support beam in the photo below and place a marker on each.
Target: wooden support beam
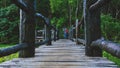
(92, 24)
(92, 29)
(54, 35)
(48, 33)
(57, 34)
(27, 31)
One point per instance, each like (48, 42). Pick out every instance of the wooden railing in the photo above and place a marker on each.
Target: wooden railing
(27, 42)
(106, 45)
(93, 44)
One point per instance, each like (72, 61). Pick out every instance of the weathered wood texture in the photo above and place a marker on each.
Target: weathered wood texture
(18, 47)
(27, 31)
(92, 29)
(63, 54)
(109, 46)
(13, 49)
(92, 25)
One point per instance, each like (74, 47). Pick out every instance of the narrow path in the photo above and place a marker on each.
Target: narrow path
(62, 54)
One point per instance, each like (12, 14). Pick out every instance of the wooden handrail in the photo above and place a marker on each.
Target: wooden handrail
(24, 6)
(108, 46)
(13, 49)
(18, 47)
(46, 20)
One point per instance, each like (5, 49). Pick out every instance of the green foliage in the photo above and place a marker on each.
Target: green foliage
(4, 3)
(112, 58)
(110, 28)
(56, 5)
(59, 22)
(6, 58)
(9, 19)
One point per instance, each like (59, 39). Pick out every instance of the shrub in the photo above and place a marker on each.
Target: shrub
(9, 19)
(110, 28)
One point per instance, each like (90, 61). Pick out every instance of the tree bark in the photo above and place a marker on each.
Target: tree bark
(27, 31)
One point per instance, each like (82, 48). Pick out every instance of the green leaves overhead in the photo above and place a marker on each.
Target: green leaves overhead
(63, 9)
(56, 5)
(59, 5)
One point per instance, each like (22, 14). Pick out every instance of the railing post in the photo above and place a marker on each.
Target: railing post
(54, 35)
(48, 33)
(45, 32)
(71, 32)
(57, 34)
(92, 28)
(27, 31)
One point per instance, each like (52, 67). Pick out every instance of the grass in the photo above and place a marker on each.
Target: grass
(6, 58)
(5, 45)
(112, 58)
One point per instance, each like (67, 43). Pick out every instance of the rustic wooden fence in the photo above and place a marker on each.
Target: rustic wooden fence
(93, 44)
(27, 44)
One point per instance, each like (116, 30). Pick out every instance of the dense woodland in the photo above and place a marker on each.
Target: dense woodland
(63, 13)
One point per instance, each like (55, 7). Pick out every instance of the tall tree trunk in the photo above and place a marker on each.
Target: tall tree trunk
(70, 15)
(76, 13)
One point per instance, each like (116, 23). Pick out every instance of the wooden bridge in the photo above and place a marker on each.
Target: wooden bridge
(62, 54)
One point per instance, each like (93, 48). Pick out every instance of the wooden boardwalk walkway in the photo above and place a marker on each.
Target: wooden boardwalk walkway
(62, 54)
